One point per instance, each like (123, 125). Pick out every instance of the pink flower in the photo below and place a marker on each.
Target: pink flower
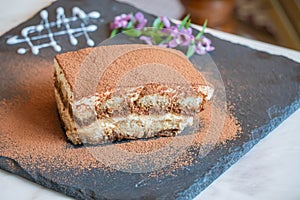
(121, 21)
(181, 37)
(207, 44)
(164, 33)
(139, 20)
(203, 45)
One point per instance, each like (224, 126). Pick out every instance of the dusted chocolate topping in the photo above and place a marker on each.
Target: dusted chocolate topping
(110, 64)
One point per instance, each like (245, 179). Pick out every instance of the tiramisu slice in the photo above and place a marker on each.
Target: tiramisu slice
(112, 107)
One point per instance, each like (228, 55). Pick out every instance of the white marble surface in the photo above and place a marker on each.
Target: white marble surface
(269, 171)
(170, 8)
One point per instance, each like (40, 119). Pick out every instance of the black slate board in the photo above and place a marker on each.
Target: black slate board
(264, 88)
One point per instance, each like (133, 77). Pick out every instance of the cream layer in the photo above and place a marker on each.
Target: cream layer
(130, 127)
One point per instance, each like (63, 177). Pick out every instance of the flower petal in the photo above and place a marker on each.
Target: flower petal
(146, 39)
(165, 21)
(173, 43)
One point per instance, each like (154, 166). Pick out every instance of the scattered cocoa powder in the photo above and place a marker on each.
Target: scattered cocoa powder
(31, 132)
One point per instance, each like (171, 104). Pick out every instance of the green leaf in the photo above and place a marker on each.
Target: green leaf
(191, 50)
(152, 32)
(156, 22)
(184, 21)
(188, 24)
(130, 24)
(168, 39)
(156, 38)
(113, 33)
(203, 29)
(132, 33)
(161, 25)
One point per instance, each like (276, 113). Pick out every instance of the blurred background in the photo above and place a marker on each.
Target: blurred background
(272, 21)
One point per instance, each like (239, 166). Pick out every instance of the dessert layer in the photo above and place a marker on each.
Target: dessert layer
(83, 124)
(130, 127)
(86, 64)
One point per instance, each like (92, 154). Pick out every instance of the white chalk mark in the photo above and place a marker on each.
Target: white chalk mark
(61, 21)
(22, 51)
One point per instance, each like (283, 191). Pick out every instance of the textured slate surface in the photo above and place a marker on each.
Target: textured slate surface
(264, 88)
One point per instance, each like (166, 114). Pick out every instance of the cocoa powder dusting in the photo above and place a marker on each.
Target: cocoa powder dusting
(107, 65)
(31, 132)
